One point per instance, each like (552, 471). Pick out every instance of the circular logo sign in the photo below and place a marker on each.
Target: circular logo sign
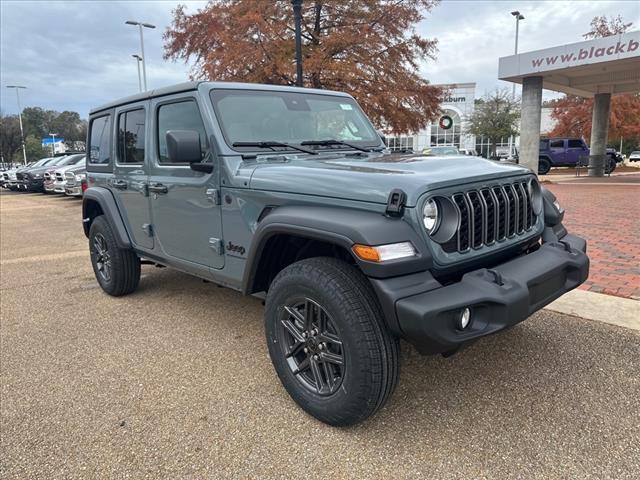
(446, 122)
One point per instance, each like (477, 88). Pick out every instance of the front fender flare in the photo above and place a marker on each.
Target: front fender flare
(342, 227)
(104, 198)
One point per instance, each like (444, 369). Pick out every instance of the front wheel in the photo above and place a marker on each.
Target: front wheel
(328, 342)
(611, 165)
(544, 165)
(117, 269)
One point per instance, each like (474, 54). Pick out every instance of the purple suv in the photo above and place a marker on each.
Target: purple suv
(567, 152)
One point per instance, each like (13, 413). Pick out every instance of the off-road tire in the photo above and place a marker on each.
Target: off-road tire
(544, 166)
(610, 166)
(371, 352)
(125, 264)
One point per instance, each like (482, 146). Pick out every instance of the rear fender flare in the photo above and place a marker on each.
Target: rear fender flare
(104, 198)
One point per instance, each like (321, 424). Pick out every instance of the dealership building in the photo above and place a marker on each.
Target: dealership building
(450, 127)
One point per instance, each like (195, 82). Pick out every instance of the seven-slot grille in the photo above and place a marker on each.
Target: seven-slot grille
(490, 215)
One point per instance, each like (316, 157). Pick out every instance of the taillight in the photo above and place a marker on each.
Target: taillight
(83, 185)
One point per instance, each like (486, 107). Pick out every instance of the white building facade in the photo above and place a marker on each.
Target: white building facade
(450, 127)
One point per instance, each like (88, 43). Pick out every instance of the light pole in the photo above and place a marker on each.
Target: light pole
(297, 17)
(519, 17)
(144, 61)
(53, 142)
(24, 150)
(138, 60)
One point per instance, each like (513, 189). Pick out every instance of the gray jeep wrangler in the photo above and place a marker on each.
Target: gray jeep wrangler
(289, 194)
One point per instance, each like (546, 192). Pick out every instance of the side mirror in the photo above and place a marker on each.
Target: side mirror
(184, 146)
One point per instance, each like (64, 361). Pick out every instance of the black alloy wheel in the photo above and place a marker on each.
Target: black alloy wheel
(312, 346)
(101, 257)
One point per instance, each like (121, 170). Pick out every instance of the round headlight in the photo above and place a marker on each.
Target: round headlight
(430, 215)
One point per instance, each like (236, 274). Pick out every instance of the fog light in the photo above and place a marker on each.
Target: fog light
(464, 320)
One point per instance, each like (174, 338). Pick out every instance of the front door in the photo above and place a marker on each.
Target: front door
(187, 220)
(130, 172)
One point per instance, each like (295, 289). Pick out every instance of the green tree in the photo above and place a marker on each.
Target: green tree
(9, 137)
(37, 121)
(496, 116)
(34, 148)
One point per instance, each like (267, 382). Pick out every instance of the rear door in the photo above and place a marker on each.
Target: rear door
(558, 151)
(184, 203)
(130, 172)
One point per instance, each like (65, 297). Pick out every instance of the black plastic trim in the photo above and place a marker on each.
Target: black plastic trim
(341, 227)
(104, 198)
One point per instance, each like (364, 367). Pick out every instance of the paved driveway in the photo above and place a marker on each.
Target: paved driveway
(175, 382)
(606, 211)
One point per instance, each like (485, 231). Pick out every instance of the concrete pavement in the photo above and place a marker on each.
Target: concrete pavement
(175, 382)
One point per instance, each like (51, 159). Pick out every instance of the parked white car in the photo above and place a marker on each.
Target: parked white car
(635, 156)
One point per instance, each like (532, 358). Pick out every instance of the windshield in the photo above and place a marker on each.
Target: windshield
(441, 151)
(41, 162)
(290, 117)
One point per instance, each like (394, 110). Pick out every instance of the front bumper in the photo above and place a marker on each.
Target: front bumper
(58, 186)
(48, 186)
(498, 298)
(31, 184)
(73, 191)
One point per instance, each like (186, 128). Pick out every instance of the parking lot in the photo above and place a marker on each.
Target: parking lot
(175, 381)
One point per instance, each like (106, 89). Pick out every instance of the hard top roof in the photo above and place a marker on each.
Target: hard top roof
(187, 86)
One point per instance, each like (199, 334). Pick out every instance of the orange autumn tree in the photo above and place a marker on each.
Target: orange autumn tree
(573, 115)
(368, 48)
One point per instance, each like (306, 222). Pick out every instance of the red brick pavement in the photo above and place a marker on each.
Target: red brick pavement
(608, 216)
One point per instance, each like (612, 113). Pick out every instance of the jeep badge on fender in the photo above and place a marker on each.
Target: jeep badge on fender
(352, 247)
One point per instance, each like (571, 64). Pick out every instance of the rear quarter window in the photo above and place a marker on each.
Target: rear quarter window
(99, 148)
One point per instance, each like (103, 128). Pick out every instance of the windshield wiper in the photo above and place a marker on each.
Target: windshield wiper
(272, 144)
(334, 142)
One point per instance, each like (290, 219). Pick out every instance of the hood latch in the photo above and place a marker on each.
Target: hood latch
(396, 202)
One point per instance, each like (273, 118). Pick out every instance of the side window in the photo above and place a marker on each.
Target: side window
(556, 143)
(99, 141)
(179, 116)
(575, 144)
(131, 136)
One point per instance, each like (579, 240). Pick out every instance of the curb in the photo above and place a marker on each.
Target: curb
(623, 312)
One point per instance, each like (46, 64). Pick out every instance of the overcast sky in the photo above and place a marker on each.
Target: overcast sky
(74, 55)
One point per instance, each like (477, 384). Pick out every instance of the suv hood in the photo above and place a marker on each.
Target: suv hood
(372, 179)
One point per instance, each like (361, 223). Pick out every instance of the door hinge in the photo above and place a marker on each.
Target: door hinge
(216, 245)
(214, 195)
(148, 229)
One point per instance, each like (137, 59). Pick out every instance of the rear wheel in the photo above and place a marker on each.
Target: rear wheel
(328, 342)
(116, 269)
(544, 165)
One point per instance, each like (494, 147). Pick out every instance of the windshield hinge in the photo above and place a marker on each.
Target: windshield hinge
(396, 202)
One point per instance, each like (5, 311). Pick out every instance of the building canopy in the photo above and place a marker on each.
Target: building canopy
(603, 65)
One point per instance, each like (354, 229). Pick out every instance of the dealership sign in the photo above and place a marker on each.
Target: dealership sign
(615, 47)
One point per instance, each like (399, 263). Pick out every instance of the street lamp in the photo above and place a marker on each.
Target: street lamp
(24, 150)
(144, 66)
(138, 60)
(297, 17)
(519, 17)
(53, 142)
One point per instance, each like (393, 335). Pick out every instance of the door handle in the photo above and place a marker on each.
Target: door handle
(157, 188)
(119, 184)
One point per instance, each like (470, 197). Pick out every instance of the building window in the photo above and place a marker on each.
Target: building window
(447, 129)
(400, 143)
